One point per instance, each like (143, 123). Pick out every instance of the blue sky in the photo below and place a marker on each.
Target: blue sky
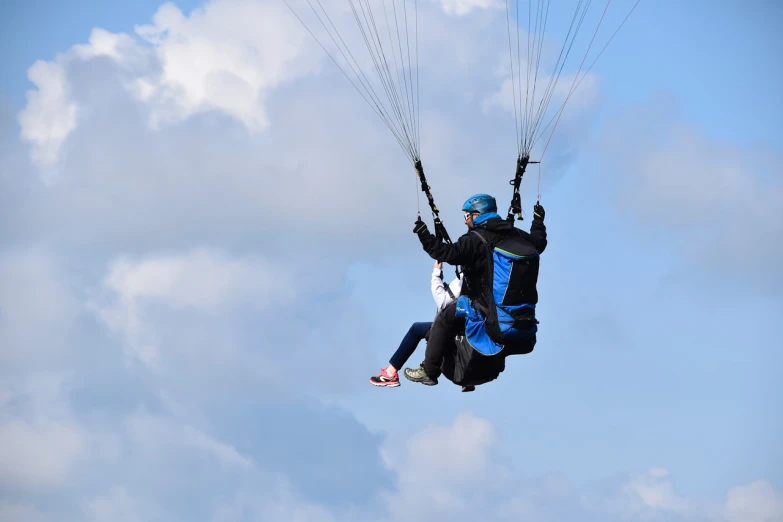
(206, 251)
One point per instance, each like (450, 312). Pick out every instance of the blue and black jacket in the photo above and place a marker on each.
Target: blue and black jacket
(504, 314)
(470, 253)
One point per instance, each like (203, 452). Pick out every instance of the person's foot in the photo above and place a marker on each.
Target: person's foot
(385, 378)
(418, 375)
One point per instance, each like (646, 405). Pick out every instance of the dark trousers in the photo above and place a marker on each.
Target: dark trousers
(441, 340)
(408, 345)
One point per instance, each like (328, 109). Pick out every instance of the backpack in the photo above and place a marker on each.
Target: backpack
(504, 316)
(464, 366)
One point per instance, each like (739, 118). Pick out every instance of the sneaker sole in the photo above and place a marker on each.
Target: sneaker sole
(424, 382)
(385, 384)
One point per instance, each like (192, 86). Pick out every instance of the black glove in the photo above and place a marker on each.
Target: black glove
(538, 211)
(420, 228)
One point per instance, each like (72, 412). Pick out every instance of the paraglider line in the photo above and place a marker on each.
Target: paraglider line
(513, 78)
(570, 93)
(376, 105)
(559, 66)
(562, 107)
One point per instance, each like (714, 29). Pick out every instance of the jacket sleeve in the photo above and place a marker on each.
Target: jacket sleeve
(464, 252)
(456, 287)
(538, 234)
(439, 293)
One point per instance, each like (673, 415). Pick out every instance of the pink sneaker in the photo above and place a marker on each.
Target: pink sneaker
(385, 379)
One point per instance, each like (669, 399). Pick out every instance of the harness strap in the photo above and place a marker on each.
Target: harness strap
(440, 229)
(516, 200)
(446, 286)
(451, 294)
(489, 270)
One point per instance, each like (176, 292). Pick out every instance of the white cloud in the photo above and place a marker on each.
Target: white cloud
(451, 470)
(162, 435)
(225, 453)
(452, 452)
(117, 46)
(21, 513)
(582, 98)
(440, 466)
(464, 7)
(40, 394)
(654, 490)
(754, 502)
(117, 505)
(278, 503)
(41, 444)
(227, 55)
(50, 114)
(454, 470)
(327, 163)
(39, 453)
(37, 311)
(718, 200)
(202, 280)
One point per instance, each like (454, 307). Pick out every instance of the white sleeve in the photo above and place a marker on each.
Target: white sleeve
(439, 292)
(456, 287)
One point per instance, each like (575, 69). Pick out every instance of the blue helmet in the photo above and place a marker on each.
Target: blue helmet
(481, 203)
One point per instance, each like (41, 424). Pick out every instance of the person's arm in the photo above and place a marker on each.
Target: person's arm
(463, 252)
(438, 287)
(456, 287)
(538, 229)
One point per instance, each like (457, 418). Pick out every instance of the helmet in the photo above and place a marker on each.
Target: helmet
(481, 203)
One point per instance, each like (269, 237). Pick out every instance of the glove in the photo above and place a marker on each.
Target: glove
(420, 228)
(538, 211)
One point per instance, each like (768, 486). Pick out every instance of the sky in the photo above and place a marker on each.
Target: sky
(206, 250)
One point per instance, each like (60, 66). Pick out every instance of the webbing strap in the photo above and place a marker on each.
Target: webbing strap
(448, 289)
(516, 200)
(440, 229)
(446, 286)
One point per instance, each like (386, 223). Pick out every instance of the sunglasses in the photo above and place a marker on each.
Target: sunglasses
(468, 215)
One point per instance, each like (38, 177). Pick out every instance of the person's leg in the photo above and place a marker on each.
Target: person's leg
(446, 326)
(441, 339)
(409, 343)
(388, 376)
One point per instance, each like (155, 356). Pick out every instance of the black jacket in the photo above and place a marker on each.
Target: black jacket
(470, 253)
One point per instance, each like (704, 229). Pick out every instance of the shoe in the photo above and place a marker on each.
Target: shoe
(385, 379)
(418, 375)
(466, 389)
